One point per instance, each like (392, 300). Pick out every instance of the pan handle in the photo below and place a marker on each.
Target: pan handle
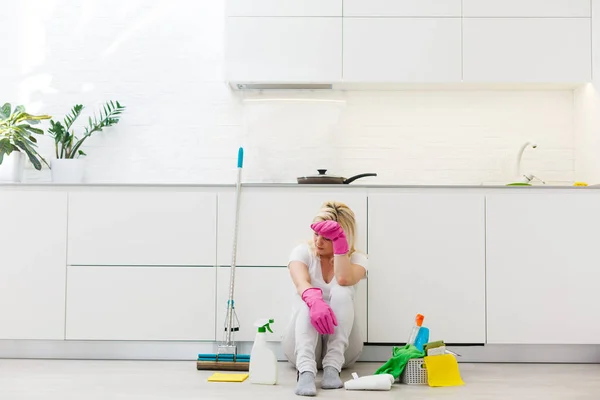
(355, 177)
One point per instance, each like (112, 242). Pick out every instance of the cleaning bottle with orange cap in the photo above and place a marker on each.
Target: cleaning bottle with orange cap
(415, 330)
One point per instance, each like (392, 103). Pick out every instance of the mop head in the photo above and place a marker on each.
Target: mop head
(224, 362)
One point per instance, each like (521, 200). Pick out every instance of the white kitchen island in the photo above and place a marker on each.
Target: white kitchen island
(142, 271)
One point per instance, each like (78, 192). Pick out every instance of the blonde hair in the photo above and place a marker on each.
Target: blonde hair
(340, 212)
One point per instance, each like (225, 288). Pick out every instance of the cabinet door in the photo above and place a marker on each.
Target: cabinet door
(542, 269)
(402, 8)
(288, 49)
(527, 8)
(33, 245)
(259, 293)
(268, 292)
(427, 256)
(141, 303)
(284, 8)
(142, 228)
(402, 49)
(273, 222)
(527, 50)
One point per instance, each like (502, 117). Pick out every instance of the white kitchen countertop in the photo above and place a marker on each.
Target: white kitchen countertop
(291, 185)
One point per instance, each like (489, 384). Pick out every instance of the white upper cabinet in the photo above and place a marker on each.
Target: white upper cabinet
(534, 50)
(402, 8)
(526, 8)
(284, 8)
(142, 228)
(289, 49)
(402, 50)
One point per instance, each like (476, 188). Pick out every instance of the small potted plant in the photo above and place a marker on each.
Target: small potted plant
(17, 141)
(68, 167)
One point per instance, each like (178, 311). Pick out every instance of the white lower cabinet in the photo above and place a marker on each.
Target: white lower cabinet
(264, 293)
(140, 303)
(427, 256)
(273, 222)
(33, 243)
(142, 227)
(542, 268)
(259, 293)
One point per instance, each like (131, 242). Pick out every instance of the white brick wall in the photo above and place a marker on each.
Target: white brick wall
(587, 114)
(164, 61)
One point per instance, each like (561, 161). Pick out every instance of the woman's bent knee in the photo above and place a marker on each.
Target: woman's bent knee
(342, 293)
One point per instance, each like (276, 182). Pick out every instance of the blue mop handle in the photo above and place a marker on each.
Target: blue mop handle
(240, 157)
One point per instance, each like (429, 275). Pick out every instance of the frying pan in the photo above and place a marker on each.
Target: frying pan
(323, 178)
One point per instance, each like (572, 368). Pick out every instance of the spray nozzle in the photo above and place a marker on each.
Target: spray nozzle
(264, 324)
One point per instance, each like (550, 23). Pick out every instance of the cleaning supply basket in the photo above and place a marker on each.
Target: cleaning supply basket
(415, 372)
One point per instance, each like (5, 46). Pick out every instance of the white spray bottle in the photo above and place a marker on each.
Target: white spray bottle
(263, 363)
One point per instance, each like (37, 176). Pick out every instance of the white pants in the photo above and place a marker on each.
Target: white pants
(307, 350)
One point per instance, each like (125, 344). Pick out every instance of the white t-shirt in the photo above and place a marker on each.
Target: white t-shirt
(303, 254)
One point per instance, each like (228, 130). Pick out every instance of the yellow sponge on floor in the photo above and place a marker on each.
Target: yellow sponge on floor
(220, 377)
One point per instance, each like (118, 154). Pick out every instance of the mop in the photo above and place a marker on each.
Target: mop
(227, 357)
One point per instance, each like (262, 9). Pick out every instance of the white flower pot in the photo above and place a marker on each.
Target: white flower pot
(67, 170)
(12, 167)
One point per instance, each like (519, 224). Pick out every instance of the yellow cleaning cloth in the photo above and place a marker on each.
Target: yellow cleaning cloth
(220, 377)
(442, 370)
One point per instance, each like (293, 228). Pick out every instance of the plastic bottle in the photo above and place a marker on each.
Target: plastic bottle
(415, 329)
(263, 363)
(422, 338)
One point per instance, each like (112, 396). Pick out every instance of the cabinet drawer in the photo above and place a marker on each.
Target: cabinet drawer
(527, 8)
(272, 223)
(284, 8)
(141, 303)
(142, 228)
(402, 8)
(268, 292)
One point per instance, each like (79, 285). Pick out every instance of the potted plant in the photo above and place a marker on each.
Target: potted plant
(17, 140)
(68, 167)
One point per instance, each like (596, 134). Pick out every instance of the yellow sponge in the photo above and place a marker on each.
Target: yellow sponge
(220, 377)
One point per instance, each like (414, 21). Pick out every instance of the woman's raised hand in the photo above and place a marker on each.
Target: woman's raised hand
(333, 231)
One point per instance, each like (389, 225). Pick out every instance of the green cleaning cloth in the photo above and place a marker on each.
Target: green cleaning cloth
(400, 357)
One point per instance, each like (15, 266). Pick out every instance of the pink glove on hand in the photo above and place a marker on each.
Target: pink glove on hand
(321, 315)
(333, 231)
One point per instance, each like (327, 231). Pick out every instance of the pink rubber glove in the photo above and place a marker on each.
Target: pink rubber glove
(321, 315)
(333, 231)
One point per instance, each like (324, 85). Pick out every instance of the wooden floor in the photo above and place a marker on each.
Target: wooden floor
(90, 380)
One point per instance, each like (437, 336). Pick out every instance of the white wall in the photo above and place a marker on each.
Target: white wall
(163, 59)
(587, 112)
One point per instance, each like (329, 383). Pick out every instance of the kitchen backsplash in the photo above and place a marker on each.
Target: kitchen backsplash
(164, 61)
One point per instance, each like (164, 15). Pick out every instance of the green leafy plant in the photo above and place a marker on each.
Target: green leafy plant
(66, 144)
(17, 133)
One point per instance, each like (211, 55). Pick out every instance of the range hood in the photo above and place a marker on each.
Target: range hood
(281, 86)
(394, 86)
